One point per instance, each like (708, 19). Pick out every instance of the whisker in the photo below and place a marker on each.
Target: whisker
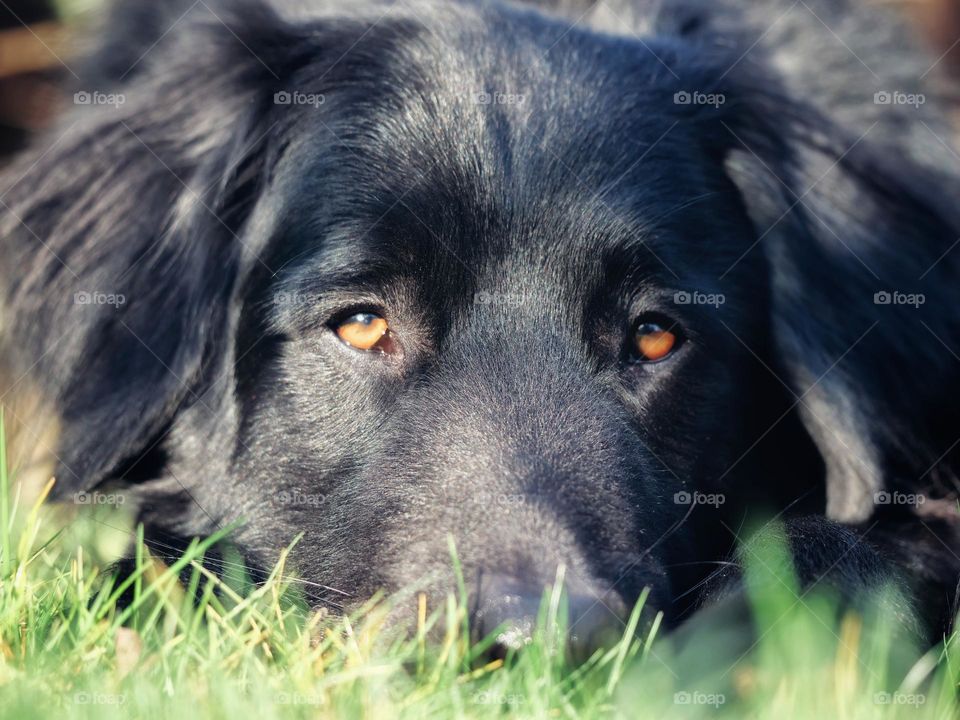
(712, 576)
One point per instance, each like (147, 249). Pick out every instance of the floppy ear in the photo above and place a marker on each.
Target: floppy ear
(121, 237)
(860, 241)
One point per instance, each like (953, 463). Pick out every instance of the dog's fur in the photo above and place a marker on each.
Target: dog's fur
(512, 245)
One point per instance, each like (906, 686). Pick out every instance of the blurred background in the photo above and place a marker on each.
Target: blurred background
(35, 35)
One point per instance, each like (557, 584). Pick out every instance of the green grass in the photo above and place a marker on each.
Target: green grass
(71, 9)
(67, 650)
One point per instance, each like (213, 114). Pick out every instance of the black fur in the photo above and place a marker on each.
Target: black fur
(512, 245)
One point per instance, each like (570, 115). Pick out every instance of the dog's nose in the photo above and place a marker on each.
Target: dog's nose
(510, 607)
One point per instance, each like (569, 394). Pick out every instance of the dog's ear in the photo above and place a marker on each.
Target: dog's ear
(862, 246)
(122, 235)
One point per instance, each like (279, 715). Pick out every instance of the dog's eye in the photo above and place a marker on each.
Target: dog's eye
(365, 331)
(653, 342)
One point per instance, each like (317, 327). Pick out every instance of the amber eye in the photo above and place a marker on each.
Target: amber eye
(365, 331)
(653, 342)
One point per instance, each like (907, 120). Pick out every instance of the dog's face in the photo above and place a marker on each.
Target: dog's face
(500, 287)
(476, 327)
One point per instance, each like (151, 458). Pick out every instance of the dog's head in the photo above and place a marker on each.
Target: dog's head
(570, 298)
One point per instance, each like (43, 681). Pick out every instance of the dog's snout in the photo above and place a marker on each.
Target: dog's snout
(511, 608)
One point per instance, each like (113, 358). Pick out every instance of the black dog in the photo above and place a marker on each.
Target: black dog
(581, 286)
